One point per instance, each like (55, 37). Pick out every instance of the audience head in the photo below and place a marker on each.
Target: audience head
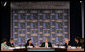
(46, 40)
(29, 41)
(11, 40)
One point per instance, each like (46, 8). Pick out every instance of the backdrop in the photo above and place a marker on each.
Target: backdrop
(40, 24)
(40, 20)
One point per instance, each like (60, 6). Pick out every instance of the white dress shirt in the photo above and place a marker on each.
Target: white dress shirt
(46, 45)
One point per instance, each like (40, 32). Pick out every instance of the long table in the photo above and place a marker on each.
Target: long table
(40, 49)
(75, 49)
(44, 49)
(47, 49)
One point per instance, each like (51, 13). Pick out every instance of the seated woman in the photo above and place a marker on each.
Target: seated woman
(4, 46)
(67, 42)
(29, 43)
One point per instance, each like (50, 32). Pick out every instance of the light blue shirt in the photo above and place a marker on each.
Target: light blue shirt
(4, 45)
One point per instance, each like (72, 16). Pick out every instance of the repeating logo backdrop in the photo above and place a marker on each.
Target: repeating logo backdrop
(38, 24)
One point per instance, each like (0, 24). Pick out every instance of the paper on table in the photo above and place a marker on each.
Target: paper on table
(55, 46)
(22, 47)
(11, 48)
(17, 47)
(71, 47)
(61, 46)
(29, 46)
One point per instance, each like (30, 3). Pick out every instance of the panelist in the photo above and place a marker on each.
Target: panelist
(67, 42)
(11, 43)
(77, 42)
(4, 46)
(46, 44)
(82, 42)
(29, 43)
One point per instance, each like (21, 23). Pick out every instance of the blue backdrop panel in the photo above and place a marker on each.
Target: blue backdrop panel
(38, 24)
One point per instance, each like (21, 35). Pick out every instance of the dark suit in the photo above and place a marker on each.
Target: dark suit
(43, 44)
(28, 45)
(66, 45)
(77, 44)
(11, 44)
(82, 45)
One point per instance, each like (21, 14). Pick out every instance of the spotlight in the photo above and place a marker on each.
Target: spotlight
(3, 3)
(80, 1)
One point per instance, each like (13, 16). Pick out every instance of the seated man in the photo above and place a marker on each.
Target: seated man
(67, 42)
(46, 44)
(11, 43)
(77, 42)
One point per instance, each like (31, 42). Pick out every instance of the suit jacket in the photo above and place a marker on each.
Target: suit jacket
(82, 45)
(66, 45)
(11, 44)
(77, 44)
(28, 45)
(43, 44)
